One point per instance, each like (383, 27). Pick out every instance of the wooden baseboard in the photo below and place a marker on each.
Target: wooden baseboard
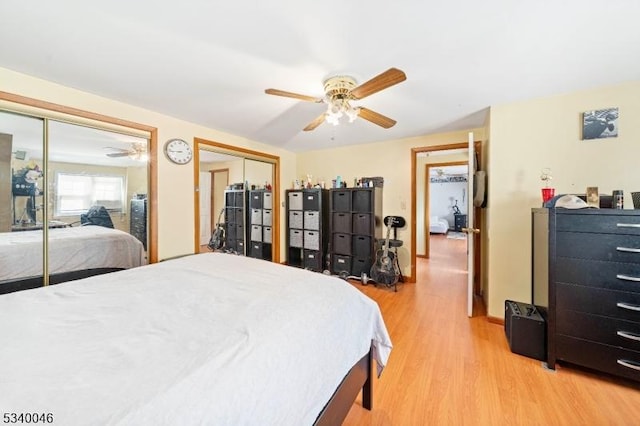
(495, 320)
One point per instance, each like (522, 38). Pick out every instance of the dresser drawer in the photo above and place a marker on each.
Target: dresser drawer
(612, 247)
(598, 301)
(599, 222)
(610, 331)
(610, 359)
(596, 273)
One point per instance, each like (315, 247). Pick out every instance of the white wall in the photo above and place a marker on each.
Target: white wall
(442, 196)
(546, 132)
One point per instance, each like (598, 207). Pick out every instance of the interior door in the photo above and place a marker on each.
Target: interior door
(471, 230)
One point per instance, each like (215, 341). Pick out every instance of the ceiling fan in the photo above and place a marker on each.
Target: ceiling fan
(341, 90)
(137, 151)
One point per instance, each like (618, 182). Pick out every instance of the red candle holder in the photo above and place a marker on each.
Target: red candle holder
(547, 194)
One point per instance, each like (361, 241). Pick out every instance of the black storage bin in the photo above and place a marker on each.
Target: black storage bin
(239, 199)
(229, 214)
(230, 199)
(342, 222)
(340, 264)
(341, 201)
(342, 243)
(239, 215)
(256, 200)
(240, 246)
(360, 265)
(361, 246)
(230, 244)
(311, 201)
(362, 200)
(362, 223)
(256, 250)
(231, 231)
(239, 231)
(313, 260)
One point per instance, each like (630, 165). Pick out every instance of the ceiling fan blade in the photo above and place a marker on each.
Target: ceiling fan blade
(119, 154)
(376, 118)
(382, 81)
(292, 95)
(315, 123)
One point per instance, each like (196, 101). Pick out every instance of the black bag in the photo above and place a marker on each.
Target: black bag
(96, 215)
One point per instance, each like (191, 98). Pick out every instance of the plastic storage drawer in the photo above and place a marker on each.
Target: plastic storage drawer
(361, 246)
(360, 265)
(256, 200)
(312, 260)
(239, 231)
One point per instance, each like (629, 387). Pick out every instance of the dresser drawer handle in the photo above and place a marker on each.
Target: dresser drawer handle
(627, 335)
(627, 278)
(628, 225)
(629, 364)
(628, 306)
(628, 249)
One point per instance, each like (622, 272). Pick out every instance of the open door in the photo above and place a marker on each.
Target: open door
(471, 230)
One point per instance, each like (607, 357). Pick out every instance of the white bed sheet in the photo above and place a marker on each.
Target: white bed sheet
(70, 249)
(206, 339)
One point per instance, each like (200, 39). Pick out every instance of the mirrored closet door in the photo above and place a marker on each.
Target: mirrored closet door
(77, 197)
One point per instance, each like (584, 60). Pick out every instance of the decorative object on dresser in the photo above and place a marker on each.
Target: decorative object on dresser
(593, 293)
(593, 198)
(547, 193)
(307, 228)
(260, 223)
(356, 223)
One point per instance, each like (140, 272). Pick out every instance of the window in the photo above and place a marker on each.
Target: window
(76, 193)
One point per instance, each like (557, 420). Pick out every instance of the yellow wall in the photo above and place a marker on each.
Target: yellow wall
(528, 136)
(175, 182)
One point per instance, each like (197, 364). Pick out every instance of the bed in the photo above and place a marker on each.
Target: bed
(438, 225)
(211, 338)
(74, 252)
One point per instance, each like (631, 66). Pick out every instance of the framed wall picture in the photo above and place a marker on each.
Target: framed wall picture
(601, 123)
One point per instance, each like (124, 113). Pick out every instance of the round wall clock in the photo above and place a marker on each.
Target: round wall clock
(178, 151)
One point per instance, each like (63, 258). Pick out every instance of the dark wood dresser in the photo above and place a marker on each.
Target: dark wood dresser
(594, 290)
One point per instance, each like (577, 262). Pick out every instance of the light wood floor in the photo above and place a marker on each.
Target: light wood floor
(448, 369)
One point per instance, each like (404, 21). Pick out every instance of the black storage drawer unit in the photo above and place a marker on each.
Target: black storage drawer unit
(460, 221)
(594, 289)
(138, 220)
(356, 223)
(307, 241)
(259, 223)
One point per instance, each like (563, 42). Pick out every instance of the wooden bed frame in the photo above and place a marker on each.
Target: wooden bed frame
(9, 286)
(359, 377)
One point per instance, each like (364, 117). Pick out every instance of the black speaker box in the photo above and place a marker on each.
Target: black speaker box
(526, 330)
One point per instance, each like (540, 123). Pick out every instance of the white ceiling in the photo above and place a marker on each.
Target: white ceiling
(209, 62)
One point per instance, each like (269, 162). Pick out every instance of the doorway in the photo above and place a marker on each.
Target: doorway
(418, 213)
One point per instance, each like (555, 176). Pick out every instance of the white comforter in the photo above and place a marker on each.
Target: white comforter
(212, 339)
(70, 249)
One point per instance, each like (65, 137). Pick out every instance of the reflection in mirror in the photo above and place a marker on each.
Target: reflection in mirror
(221, 173)
(93, 209)
(21, 193)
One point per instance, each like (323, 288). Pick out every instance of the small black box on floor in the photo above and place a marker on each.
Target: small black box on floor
(526, 330)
